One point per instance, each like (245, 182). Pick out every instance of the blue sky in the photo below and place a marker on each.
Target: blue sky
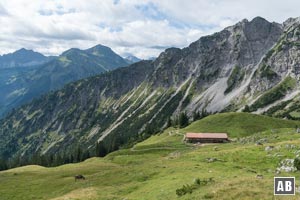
(140, 27)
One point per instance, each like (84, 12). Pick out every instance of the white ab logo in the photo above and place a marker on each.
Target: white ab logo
(288, 186)
(284, 185)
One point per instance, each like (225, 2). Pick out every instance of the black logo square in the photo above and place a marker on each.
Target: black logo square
(284, 185)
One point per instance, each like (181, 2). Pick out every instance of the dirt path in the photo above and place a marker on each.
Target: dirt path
(156, 148)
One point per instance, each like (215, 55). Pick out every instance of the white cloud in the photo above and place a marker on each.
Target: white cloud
(141, 27)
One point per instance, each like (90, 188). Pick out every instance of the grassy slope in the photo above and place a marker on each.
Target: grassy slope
(239, 124)
(155, 168)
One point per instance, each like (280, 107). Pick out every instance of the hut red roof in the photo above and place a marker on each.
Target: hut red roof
(207, 135)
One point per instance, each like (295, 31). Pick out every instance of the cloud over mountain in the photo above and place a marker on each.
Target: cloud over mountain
(133, 26)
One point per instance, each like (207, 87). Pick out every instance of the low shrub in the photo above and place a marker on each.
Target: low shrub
(185, 189)
(297, 163)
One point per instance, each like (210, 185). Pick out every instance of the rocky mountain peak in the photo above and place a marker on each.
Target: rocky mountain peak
(291, 21)
(71, 51)
(100, 50)
(23, 53)
(260, 29)
(259, 20)
(168, 58)
(21, 58)
(168, 53)
(99, 47)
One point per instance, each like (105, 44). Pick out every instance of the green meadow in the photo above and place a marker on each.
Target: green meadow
(157, 167)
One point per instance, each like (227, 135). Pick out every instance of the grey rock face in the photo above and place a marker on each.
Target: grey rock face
(280, 62)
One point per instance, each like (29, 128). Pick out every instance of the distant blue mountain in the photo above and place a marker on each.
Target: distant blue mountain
(22, 58)
(26, 74)
(132, 59)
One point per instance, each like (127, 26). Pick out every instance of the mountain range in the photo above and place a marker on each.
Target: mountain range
(252, 66)
(26, 74)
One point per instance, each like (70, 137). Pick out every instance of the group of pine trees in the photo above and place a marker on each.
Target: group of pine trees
(47, 160)
(182, 120)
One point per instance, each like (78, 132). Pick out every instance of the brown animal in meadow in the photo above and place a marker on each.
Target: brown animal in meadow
(79, 177)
